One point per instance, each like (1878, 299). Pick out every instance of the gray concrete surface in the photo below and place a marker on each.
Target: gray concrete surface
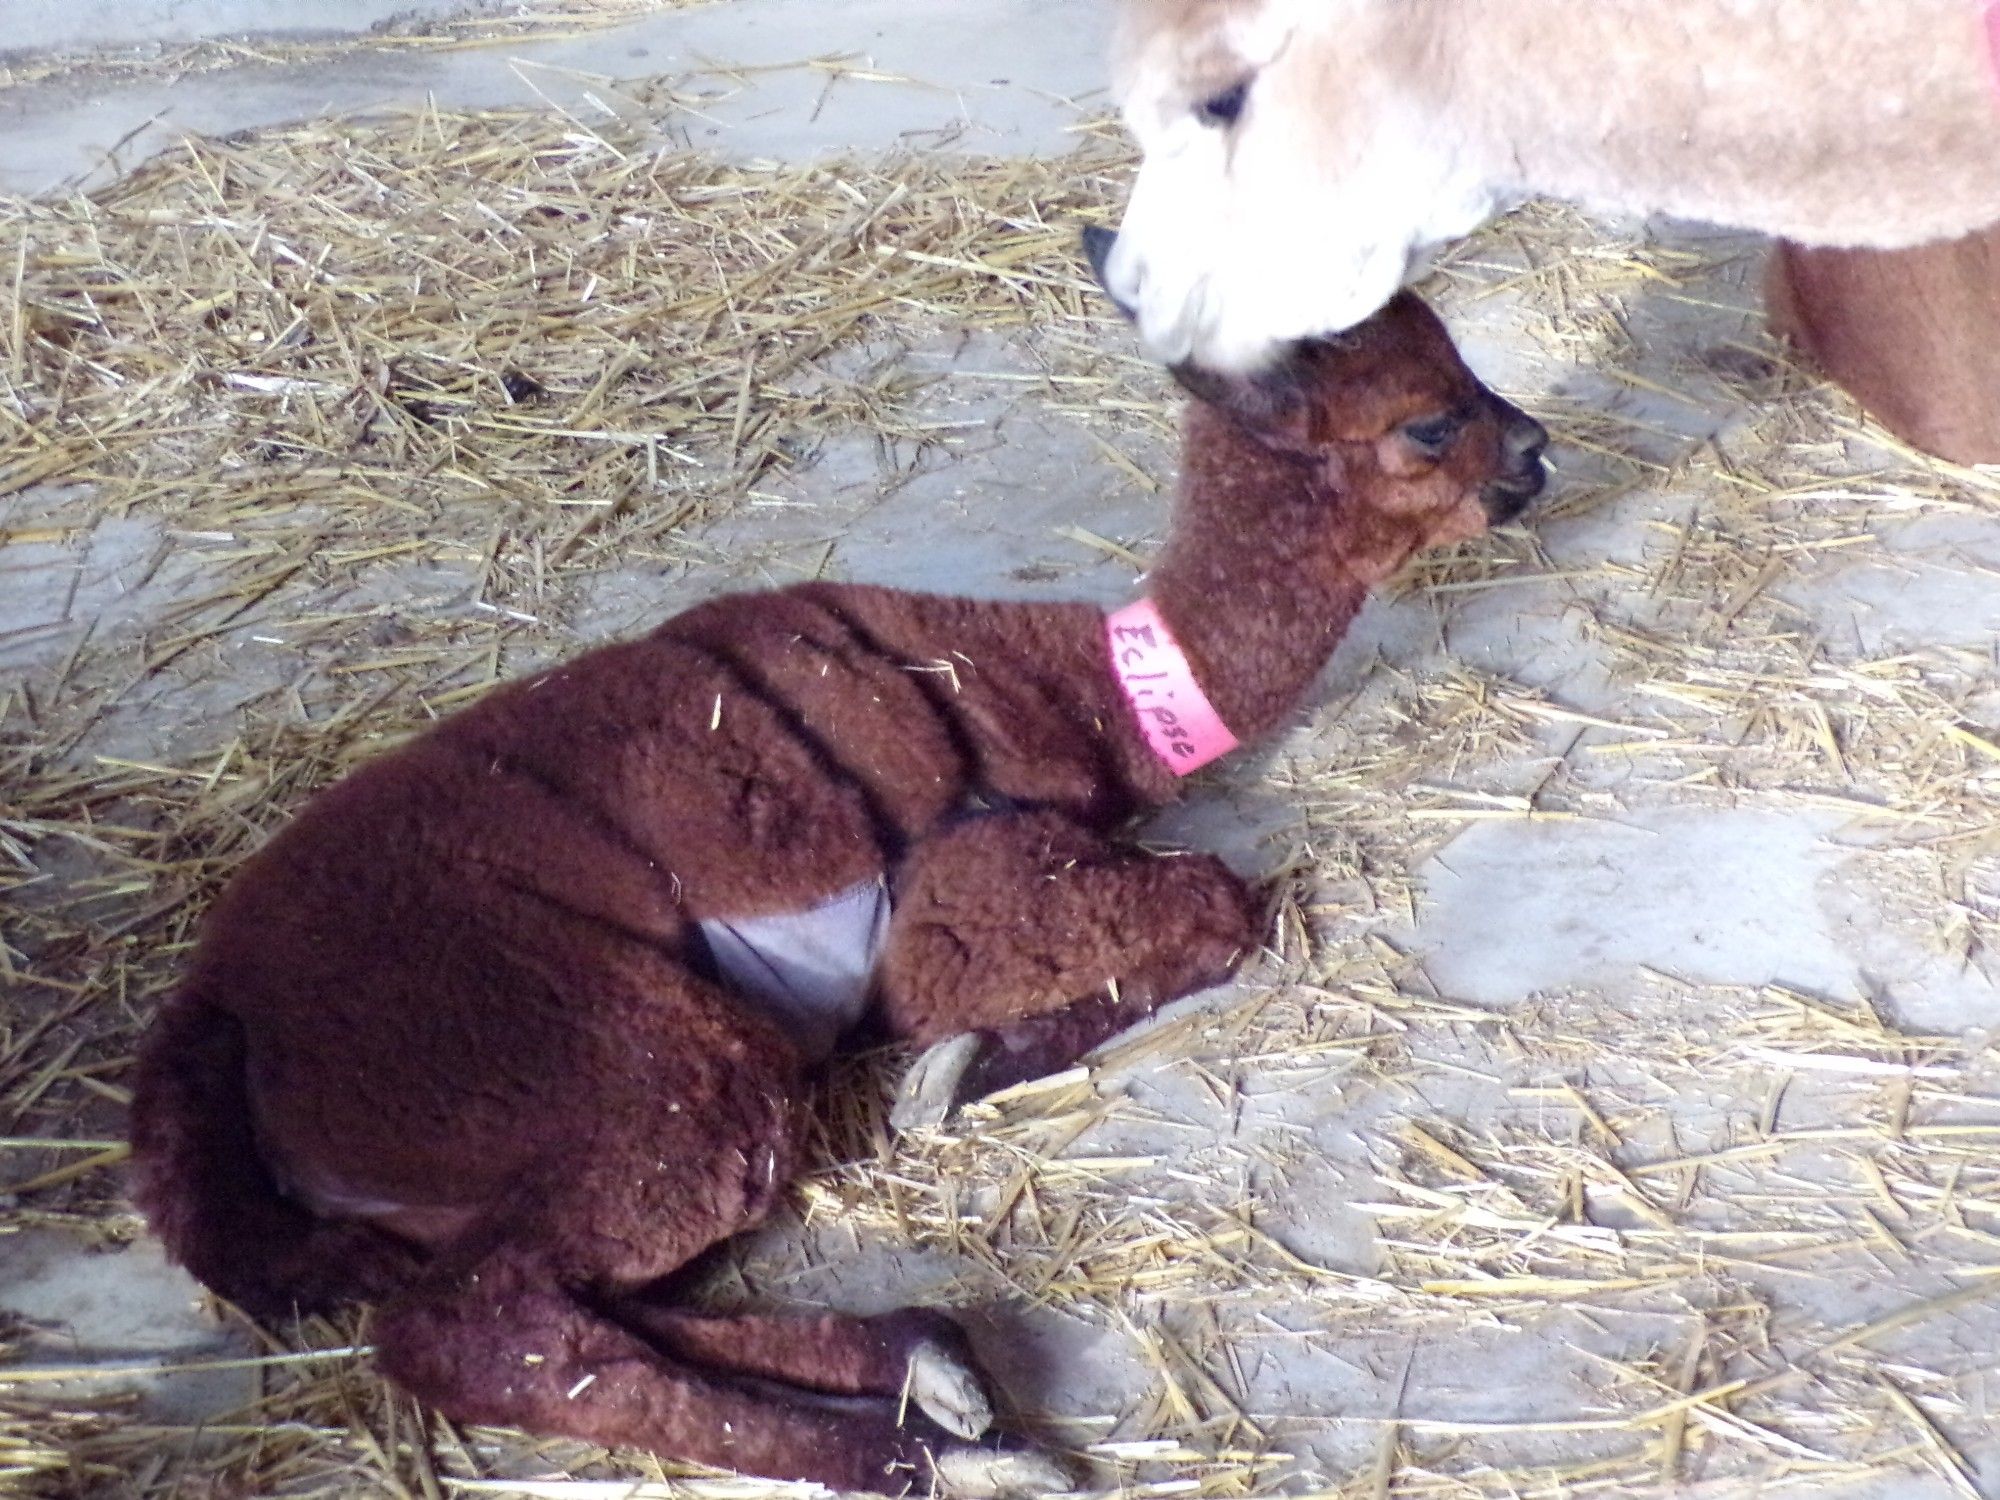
(87, 25)
(972, 75)
(1528, 920)
(118, 1308)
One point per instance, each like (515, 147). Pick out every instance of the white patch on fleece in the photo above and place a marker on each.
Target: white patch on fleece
(810, 972)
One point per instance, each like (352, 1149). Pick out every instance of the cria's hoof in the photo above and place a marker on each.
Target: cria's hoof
(948, 1392)
(1001, 1474)
(930, 1088)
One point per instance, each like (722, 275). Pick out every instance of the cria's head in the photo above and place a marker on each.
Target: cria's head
(1391, 412)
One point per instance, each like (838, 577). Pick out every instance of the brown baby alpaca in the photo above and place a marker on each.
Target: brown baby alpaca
(458, 1039)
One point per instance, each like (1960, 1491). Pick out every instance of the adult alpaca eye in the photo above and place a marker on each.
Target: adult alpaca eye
(1221, 110)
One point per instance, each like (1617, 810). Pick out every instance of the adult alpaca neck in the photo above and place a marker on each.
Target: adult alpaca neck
(1862, 125)
(1267, 565)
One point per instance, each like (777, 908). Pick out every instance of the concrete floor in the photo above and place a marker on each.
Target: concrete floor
(33, 26)
(1000, 77)
(1713, 895)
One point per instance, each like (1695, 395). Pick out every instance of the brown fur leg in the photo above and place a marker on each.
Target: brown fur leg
(1046, 939)
(1913, 335)
(511, 1325)
(916, 1356)
(826, 1352)
(502, 1342)
(1042, 1045)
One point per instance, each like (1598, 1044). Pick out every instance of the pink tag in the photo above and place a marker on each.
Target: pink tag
(1179, 722)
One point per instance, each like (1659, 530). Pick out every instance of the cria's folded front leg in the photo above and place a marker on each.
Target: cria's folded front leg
(1043, 939)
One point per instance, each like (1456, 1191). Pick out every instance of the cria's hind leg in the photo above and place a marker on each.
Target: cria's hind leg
(1038, 939)
(500, 1341)
(528, 1320)
(675, 1150)
(913, 1354)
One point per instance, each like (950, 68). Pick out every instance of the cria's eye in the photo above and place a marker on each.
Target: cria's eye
(1433, 434)
(1222, 109)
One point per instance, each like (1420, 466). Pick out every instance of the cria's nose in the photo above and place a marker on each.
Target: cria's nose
(1525, 438)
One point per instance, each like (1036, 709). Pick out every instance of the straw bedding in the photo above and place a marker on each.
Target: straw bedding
(364, 410)
(480, 23)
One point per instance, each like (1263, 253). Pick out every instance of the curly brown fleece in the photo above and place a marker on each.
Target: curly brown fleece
(452, 1041)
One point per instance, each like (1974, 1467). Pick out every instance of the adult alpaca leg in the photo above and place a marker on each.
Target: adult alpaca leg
(1020, 941)
(1913, 335)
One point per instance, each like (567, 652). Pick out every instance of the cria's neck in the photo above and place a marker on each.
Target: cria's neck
(1266, 567)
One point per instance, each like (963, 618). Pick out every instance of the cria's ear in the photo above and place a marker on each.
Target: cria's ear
(1269, 401)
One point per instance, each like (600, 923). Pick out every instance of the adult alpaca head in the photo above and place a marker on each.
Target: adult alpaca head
(1289, 173)
(1300, 155)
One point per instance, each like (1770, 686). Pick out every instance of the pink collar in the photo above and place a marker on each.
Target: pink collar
(1993, 35)
(1179, 723)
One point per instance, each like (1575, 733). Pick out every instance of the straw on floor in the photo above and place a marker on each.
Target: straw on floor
(380, 403)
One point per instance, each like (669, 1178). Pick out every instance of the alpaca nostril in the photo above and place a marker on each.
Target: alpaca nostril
(1522, 475)
(1526, 439)
(1098, 243)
